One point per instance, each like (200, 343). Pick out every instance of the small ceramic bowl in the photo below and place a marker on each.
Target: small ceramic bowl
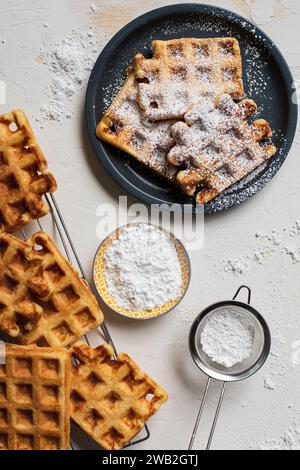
(102, 287)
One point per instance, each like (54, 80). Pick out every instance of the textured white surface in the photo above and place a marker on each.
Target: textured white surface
(251, 412)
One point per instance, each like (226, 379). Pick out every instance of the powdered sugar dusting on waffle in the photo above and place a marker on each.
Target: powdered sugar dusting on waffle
(254, 52)
(255, 58)
(218, 142)
(172, 99)
(148, 141)
(157, 135)
(183, 70)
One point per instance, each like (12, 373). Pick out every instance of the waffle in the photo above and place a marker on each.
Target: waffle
(23, 176)
(218, 147)
(111, 399)
(43, 301)
(35, 399)
(184, 70)
(124, 127)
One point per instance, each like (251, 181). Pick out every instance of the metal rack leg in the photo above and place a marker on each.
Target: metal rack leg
(58, 218)
(103, 327)
(66, 231)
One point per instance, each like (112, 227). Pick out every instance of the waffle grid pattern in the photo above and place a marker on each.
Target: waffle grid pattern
(111, 399)
(23, 176)
(182, 70)
(124, 127)
(218, 146)
(43, 299)
(34, 399)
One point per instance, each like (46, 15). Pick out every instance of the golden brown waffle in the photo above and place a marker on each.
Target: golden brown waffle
(35, 399)
(111, 399)
(23, 176)
(124, 127)
(184, 70)
(218, 147)
(42, 298)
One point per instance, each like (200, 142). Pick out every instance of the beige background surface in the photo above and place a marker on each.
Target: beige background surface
(252, 412)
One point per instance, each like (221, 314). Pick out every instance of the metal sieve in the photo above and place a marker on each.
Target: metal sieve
(214, 371)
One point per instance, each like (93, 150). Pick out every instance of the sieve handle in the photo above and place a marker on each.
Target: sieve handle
(216, 417)
(221, 398)
(239, 291)
(199, 414)
(212, 432)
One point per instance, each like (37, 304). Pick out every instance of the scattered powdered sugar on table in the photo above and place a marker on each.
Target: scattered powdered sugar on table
(269, 384)
(296, 353)
(227, 338)
(69, 63)
(283, 242)
(183, 318)
(290, 440)
(142, 268)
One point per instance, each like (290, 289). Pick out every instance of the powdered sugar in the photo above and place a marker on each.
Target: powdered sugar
(69, 64)
(227, 338)
(279, 242)
(142, 268)
(290, 440)
(253, 52)
(255, 73)
(180, 73)
(215, 134)
(149, 141)
(172, 99)
(269, 384)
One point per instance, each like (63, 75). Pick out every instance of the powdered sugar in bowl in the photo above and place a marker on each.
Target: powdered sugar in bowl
(141, 271)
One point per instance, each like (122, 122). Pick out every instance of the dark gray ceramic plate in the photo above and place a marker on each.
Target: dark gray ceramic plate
(267, 78)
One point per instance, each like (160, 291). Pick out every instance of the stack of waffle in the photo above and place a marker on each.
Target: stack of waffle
(43, 301)
(150, 118)
(45, 306)
(23, 176)
(110, 399)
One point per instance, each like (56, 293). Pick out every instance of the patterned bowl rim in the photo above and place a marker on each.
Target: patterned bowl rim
(177, 243)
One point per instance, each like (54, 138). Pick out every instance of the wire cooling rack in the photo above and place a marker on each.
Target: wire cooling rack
(73, 258)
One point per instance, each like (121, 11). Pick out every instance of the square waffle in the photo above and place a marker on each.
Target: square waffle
(35, 399)
(218, 147)
(111, 399)
(23, 176)
(183, 70)
(124, 127)
(43, 300)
